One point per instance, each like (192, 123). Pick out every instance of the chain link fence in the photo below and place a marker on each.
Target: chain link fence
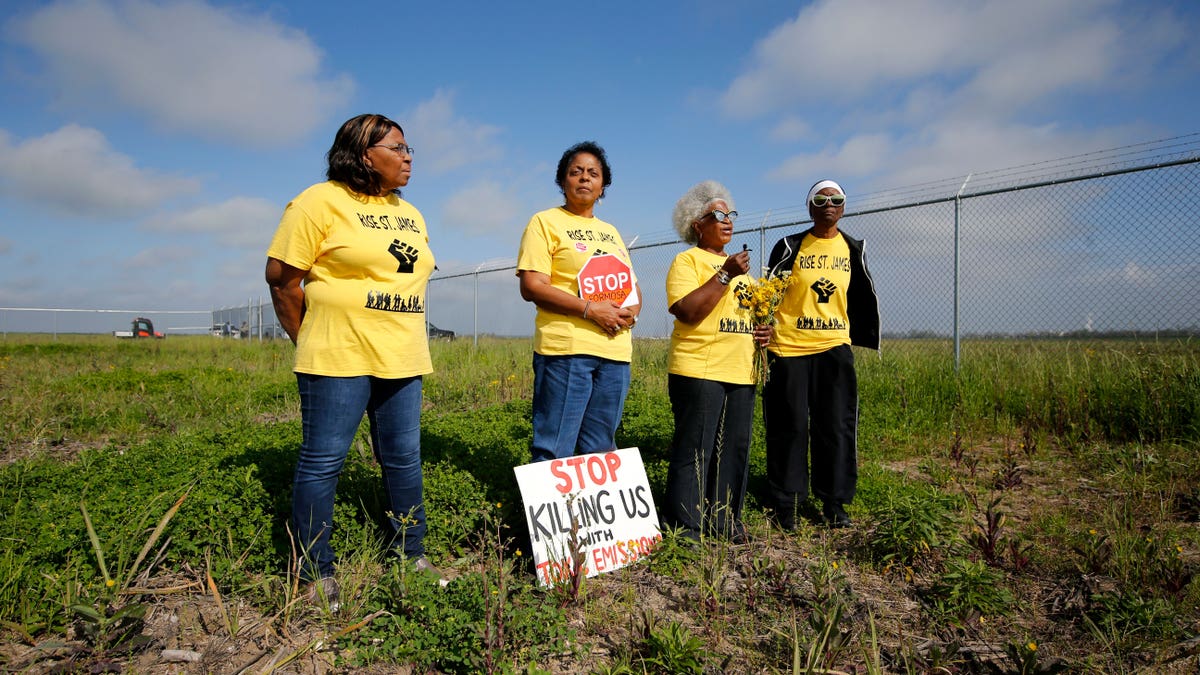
(1111, 252)
(1106, 244)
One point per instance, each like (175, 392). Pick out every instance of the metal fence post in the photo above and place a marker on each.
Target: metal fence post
(957, 335)
(475, 310)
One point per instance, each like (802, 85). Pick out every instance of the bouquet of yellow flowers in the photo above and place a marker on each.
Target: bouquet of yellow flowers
(762, 298)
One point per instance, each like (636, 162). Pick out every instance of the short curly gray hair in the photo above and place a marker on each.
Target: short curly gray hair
(694, 204)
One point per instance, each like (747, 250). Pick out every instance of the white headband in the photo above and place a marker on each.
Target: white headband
(821, 186)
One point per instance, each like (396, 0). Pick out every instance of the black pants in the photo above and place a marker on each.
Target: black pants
(811, 398)
(706, 480)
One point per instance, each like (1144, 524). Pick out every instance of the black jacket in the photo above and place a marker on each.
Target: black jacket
(862, 304)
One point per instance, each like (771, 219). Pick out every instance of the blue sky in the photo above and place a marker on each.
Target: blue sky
(147, 148)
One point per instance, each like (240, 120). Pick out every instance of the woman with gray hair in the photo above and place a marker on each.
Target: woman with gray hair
(710, 369)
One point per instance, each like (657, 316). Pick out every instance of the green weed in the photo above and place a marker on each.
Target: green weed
(672, 650)
(968, 589)
(911, 524)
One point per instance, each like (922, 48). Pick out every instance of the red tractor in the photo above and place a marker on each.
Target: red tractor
(142, 328)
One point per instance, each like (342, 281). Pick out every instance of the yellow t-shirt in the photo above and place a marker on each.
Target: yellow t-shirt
(721, 347)
(557, 243)
(812, 317)
(368, 263)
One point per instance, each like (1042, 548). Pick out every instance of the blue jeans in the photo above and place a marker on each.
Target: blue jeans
(577, 404)
(332, 409)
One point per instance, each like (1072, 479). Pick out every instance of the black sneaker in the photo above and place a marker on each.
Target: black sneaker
(740, 535)
(835, 516)
(784, 520)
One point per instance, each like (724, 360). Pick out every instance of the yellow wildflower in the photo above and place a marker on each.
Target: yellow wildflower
(762, 299)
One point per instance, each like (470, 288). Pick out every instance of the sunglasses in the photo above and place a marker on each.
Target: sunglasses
(722, 216)
(819, 200)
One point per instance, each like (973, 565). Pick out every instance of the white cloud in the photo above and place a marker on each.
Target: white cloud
(1004, 53)
(74, 171)
(244, 222)
(791, 128)
(483, 208)
(955, 148)
(187, 65)
(860, 155)
(445, 142)
(1137, 275)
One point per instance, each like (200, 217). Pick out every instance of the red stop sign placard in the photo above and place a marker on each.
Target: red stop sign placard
(605, 277)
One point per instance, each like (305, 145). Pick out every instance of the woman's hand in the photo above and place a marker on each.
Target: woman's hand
(763, 335)
(738, 263)
(610, 317)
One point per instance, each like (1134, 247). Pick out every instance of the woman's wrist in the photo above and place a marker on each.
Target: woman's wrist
(723, 277)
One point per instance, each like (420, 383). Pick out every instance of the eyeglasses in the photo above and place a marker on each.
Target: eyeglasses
(399, 148)
(819, 200)
(722, 216)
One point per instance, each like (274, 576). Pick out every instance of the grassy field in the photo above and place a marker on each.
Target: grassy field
(1037, 512)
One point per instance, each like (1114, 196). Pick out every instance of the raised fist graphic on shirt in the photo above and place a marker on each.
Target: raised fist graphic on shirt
(824, 288)
(743, 294)
(406, 255)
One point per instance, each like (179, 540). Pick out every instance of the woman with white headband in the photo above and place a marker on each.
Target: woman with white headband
(812, 393)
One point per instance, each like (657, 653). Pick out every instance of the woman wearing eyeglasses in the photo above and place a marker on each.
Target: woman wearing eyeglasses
(575, 268)
(710, 369)
(812, 393)
(347, 269)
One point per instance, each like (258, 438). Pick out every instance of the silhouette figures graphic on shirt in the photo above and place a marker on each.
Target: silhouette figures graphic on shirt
(824, 289)
(389, 302)
(405, 254)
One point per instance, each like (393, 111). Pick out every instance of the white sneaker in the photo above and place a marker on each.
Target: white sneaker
(324, 591)
(423, 565)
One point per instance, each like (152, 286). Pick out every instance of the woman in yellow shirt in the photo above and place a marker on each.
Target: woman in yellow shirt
(710, 369)
(347, 269)
(581, 341)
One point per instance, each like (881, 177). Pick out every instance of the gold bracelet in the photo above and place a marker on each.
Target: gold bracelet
(585, 308)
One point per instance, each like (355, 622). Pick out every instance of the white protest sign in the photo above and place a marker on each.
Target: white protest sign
(597, 505)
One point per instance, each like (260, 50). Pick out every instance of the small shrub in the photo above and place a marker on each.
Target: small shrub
(452, 505)
(967, 589)
(672, 650)
(675, 556)
(910, 525)
(434, 627)
(1128, 622)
